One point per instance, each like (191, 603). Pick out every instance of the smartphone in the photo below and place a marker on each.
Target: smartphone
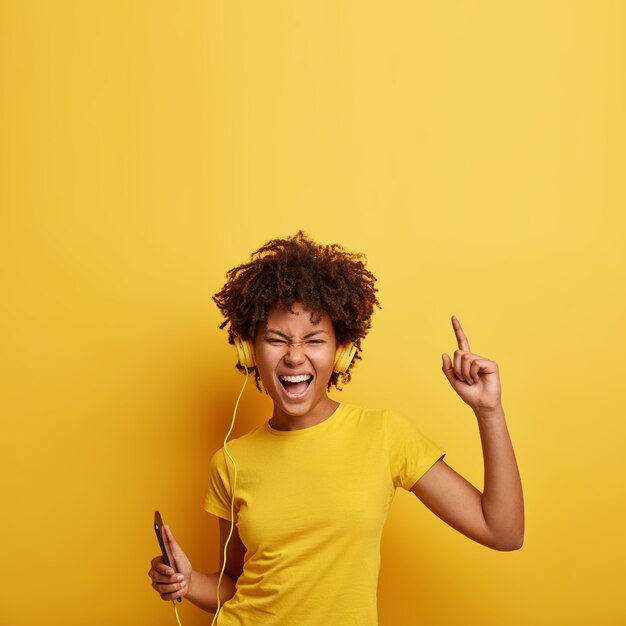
(158, 526)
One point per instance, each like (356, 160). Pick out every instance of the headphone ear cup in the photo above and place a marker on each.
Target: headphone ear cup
(343, 357)
(245, 352)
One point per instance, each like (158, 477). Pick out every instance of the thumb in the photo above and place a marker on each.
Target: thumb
(171, 542)
(448, 369)
(179, 560)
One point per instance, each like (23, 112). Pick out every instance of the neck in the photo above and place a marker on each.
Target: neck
(282, 420)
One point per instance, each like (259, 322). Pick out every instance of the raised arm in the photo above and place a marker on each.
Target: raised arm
(495, 517)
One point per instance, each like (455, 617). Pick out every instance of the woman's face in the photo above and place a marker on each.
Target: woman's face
(295, 361)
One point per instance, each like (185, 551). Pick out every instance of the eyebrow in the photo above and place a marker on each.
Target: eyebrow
(307, 336)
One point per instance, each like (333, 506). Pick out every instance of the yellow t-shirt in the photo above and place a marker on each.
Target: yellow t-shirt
(310, 506)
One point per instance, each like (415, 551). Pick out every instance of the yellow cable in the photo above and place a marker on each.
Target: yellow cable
(176, 611)
(233, 486)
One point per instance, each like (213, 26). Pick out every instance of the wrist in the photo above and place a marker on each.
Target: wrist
(192, 579)
(489, 413)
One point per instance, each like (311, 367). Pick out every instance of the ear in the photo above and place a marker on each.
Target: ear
(245, 352)
(343, 357)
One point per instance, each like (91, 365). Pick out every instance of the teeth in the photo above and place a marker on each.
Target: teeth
(295, 379)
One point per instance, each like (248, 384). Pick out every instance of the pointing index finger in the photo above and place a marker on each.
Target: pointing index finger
(460, 335)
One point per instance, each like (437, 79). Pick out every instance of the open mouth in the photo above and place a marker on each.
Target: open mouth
(296, 385)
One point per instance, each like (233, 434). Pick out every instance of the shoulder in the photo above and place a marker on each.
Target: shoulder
(368, 419)
(354, 412)
(238, 443)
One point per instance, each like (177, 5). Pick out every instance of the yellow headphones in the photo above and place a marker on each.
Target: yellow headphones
(343, 357)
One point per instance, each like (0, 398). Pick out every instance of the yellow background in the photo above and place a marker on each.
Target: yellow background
(474, 150)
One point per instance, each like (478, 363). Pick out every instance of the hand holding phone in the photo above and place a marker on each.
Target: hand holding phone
(164, 545)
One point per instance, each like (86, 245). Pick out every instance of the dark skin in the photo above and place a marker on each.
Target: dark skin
(493, 517)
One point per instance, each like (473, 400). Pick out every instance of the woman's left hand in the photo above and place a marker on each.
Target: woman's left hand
(472, 376)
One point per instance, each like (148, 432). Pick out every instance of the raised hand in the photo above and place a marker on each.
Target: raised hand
(474, 377)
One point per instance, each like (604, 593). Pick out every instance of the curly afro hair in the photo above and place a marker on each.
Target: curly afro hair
(326, 279)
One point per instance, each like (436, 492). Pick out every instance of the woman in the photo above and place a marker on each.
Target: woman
(313, 484)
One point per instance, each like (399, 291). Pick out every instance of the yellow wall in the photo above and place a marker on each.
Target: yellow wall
(474, 150)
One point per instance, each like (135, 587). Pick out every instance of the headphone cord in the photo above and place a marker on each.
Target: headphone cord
(176, 611)
(233, 486)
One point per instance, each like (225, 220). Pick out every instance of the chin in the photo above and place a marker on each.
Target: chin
(295, 408)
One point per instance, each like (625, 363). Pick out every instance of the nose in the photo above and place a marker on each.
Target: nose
(295, 354)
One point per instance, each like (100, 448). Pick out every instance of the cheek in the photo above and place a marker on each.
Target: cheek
(266, 362)
(263, 366)
(324, 363)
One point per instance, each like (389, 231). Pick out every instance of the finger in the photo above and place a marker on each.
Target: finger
(458, 364)
(485, 366)
(170, 545)
(159, 566)
(466, 364)
(174, 595)
(170, 587)
(169, 536)
(474, 369)
(170, 597)
(174, 549)
(460, 335)
(165, 580)
(448, 370)
(169, 539)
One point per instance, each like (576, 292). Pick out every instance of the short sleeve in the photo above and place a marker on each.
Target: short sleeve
(217, 499)
(411, 454)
